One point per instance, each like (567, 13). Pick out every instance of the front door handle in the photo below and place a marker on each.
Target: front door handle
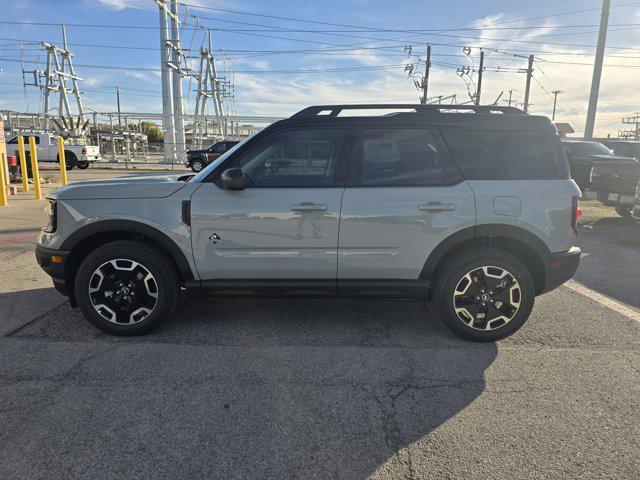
(437, 207)
(309, 207)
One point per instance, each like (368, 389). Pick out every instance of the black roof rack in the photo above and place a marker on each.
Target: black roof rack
(334, 110)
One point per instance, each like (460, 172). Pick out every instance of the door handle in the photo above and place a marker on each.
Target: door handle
(437, 207)
(309, 207)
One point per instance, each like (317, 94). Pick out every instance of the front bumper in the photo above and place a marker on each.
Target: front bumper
(559, 267)
(53, 262)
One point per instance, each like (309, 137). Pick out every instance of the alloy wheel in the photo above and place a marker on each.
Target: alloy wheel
(123, 291)
(487, 298)
(197, 166)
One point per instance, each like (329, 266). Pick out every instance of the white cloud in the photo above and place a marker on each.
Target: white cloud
(94, 81)
(122, 4)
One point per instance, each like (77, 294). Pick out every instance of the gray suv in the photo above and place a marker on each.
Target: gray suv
(469, 207)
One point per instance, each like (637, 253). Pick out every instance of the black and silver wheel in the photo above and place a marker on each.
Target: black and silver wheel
(197, 165)
(484, 294)
(83, 164)
(126, 288)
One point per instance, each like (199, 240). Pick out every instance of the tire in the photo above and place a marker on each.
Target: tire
(197, 165)
(144, 303)
(461, 309)
(70, 160)
(83, 165)
(623, 210)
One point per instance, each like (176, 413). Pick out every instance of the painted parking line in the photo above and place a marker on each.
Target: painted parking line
(603, 300)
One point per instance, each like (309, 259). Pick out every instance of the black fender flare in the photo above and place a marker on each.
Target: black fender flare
(484, 230)
(131, 226)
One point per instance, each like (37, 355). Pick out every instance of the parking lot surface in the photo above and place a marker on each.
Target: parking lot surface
(292, 388)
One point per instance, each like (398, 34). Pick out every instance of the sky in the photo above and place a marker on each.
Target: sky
(283, 55)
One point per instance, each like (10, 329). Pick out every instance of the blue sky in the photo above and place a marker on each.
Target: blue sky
(563, 45)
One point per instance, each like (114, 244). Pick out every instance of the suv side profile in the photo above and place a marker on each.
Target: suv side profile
(199, 159)
(469, 207)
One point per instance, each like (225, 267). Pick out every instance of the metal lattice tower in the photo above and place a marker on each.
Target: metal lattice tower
(635, 121)
(60, 77)
(210, 86)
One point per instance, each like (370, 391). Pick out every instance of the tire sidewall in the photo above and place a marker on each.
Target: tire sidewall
(459, 266)
(154, 262)
(197, 162)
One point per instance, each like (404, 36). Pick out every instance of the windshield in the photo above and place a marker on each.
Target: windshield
(591, 148)
(213, 165)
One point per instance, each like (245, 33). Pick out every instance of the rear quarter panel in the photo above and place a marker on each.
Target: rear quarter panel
(542, 207)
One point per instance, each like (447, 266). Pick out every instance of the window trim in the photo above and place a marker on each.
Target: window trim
(355, 157)
(344, 144)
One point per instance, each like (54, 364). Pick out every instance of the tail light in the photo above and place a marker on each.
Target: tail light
(591, 175)
(575, 214)
(84, 150)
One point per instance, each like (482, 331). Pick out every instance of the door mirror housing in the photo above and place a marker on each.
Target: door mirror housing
(233, 179)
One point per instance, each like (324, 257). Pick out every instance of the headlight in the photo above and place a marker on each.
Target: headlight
(52, 213)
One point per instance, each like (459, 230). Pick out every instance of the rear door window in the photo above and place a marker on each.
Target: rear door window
(512, 155)
(397, 157)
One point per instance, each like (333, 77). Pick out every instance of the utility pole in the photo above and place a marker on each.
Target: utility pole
(176, 57)
(480, 69)
(528, 85)
(118, 103)
(168, 124)
(555, 100)
(510, 95)
(425, 80)
(597, 71)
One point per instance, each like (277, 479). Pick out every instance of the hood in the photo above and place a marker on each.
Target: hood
(148, 186)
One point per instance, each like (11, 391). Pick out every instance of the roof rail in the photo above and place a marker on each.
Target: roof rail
(334, 110)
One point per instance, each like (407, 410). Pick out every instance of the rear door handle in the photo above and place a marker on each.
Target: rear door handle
(437, 207)
(309, 207)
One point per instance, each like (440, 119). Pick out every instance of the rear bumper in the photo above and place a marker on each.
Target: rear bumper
(55, 269)
(636, 212)
(559, 267)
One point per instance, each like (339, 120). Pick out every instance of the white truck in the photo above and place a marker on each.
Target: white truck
(76, 155)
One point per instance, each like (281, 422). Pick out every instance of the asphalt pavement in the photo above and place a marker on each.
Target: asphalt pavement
(292, 388)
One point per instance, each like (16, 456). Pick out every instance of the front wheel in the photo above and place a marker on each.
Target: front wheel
(484, 294)
(126, 288)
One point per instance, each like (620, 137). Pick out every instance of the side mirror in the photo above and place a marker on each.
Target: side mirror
(233, 179)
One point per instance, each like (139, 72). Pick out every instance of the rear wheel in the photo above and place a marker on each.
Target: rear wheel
(484, 294)
(126, 288)
(623, 210)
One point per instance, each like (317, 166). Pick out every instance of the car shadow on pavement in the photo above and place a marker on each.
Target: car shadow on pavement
(273, 388)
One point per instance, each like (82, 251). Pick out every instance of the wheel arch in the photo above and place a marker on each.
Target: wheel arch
(524, 245)
(86, 239)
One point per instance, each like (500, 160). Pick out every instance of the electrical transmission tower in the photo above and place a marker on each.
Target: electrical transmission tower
(60, 77)
(635, 121)
(210, 86)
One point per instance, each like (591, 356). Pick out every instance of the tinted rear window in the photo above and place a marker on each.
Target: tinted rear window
(502, 155)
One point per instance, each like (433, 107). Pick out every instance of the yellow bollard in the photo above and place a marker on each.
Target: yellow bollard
(63, 161)
(3, 186)
(23, 164)
(34, 167)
